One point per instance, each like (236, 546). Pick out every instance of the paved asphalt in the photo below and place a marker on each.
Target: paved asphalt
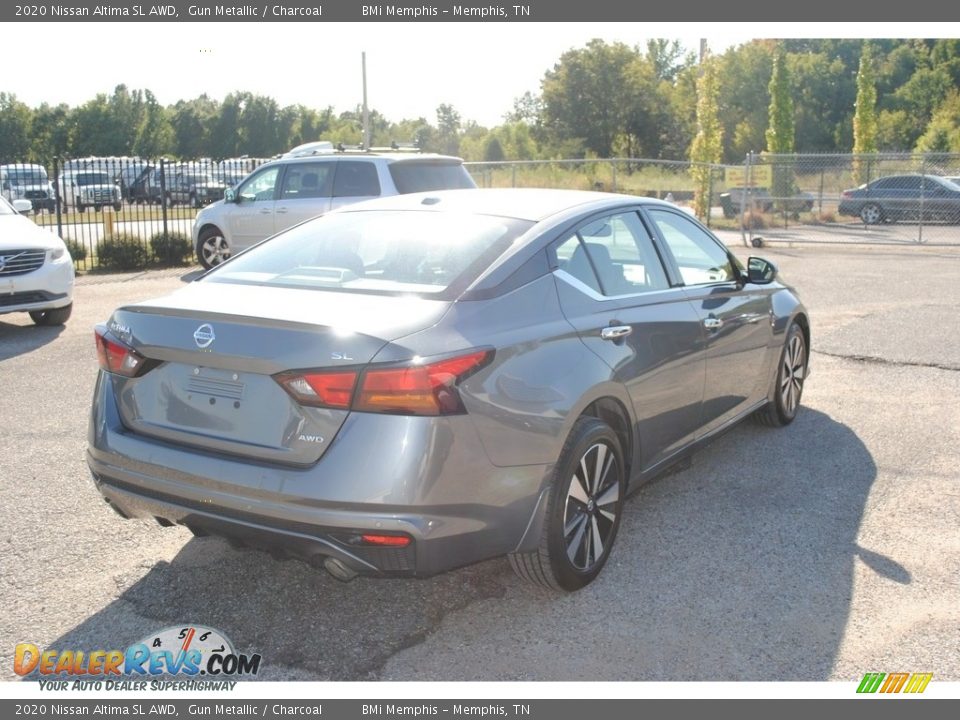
(819, 551)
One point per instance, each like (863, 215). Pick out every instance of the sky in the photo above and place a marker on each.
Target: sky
(479, 68)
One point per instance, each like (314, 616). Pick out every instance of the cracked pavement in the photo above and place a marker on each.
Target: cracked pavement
(820, 551)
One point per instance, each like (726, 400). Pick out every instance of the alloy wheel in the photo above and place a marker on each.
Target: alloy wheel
(589, 518)
(792, 374)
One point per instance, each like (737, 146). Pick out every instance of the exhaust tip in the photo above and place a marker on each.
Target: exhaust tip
(340, 571)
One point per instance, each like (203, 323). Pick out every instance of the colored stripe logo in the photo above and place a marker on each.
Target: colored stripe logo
(894, 682)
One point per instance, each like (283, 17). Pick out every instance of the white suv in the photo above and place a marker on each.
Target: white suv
(295, 188)
(36, 272)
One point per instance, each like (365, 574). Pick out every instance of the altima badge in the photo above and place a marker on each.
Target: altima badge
(204, 335)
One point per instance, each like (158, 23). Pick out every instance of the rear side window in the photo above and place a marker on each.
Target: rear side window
(412, 177)
(356, 179)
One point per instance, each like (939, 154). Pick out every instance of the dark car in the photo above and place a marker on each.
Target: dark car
(903, 197)
(424, 381)
(133, 181)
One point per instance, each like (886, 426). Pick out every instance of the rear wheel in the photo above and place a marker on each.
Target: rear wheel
(788, 389)
(212, 247)
(871, 214)
(583, 511)
(57, 316)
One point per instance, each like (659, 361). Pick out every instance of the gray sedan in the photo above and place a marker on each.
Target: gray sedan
(426, 381)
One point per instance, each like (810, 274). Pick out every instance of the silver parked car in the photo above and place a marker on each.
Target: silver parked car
(420, 382)
(298, 187)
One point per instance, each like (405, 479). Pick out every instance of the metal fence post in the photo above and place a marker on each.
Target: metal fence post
(56, 197)
(710, 195)
(744, 230)
(163, 193)
(923, 195)
(613, 181)
(513, 178)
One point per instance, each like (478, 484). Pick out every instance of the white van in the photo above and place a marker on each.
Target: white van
(27, 181)
(84, 188)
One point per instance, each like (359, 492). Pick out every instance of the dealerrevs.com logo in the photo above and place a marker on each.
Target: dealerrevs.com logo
(180, 651)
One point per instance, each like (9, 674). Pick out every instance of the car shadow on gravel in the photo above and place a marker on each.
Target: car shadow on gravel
(20, 339)
(305, 624)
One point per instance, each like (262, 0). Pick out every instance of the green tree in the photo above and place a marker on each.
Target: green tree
(865, 115)
(707, 146)
(583, 97)
(942, 134)
(15, 122)
(780, 129)
(447, 139)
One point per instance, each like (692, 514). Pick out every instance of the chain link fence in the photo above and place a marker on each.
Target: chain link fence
(880, 198)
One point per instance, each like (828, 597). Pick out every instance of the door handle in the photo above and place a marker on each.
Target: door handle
(266, 211)
(712, 323)
(281, 211)
(616, 332)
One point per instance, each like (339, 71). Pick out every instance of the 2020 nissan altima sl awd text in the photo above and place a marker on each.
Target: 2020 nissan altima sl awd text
(420, 382)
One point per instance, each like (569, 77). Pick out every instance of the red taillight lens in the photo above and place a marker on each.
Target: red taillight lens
(320, 389)
(428, 389)
(115, 357)
(412, 389)
(847, 194)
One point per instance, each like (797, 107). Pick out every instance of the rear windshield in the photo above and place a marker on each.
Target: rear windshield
(433, 254)
(413, 177)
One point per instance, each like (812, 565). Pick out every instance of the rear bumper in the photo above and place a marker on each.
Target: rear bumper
(456, 507)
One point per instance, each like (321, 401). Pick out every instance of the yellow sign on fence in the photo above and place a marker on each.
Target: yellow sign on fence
(760, 176)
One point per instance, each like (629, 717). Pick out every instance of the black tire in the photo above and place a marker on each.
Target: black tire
(57, 316)
(791, 368)
(118, 206)
(578, 513)
(212, 248)
(195, 201)
(871, 214)
(81, 207)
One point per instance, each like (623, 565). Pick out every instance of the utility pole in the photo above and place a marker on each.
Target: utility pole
(366, 112)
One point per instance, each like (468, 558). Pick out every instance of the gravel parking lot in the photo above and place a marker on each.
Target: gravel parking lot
(820, 551)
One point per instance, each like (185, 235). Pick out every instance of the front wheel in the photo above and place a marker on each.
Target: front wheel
(583, 511)
(118, 206)
(871, 214)
(212, 248)
(791, 374)
(57, 316)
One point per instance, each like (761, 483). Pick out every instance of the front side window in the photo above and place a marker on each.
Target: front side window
(260, 187)
(700, 258)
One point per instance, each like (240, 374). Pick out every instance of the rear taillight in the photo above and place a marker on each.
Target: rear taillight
(117, 358)
(320, 389)
(415, 388)
(847, 194)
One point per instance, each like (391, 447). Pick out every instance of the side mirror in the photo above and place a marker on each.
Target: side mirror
(229, 195)
(22, 206)
(760, 271)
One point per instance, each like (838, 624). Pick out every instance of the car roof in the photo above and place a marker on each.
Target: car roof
(531, 204)
(388, 156)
